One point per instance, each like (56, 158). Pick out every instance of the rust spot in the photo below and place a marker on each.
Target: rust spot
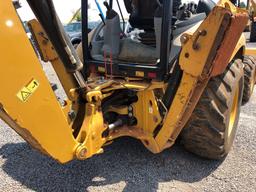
(146, 142)
(232, 35)
(191, 104)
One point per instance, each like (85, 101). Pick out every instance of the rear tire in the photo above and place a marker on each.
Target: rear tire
(253, 32)
(249, 77)
(211, 130)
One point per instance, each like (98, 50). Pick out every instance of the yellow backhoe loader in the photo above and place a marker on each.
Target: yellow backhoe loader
(177, 72)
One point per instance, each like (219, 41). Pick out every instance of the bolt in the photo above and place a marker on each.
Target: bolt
(72, 115)
(184, 39)
(93, 135)
(81, 153)
(155, 119)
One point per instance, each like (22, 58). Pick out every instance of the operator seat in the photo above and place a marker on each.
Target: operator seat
(142, 12)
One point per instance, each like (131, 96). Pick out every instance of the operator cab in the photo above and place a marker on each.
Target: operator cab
(138, 45)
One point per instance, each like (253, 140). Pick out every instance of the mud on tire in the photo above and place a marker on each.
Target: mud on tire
(211, 130)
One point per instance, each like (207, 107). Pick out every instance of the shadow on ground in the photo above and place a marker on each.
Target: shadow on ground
(125, 160)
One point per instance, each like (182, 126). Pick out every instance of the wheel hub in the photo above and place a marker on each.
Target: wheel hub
(233, 113)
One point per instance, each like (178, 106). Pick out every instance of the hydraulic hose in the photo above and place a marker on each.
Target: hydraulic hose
(46, 14)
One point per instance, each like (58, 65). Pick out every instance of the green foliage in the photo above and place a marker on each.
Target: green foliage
(78, 16)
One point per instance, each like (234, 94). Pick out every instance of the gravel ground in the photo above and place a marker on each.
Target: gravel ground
(127, 166)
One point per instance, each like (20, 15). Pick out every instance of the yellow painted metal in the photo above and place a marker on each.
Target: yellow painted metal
(90, 135)
(48, 54)
(234, 111)
(146, 111)
(196, 56)
(199, 61)
(40, 119)
(186, 60)
(230, 6)
(250, 51)
(176, 111)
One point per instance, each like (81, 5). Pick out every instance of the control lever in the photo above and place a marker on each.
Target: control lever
(107, 5)
(101, 14)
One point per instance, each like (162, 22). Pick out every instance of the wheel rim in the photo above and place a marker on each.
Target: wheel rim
(233, 113)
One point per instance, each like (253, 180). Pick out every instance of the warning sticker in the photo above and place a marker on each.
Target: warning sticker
(28, 90)
(139, 73)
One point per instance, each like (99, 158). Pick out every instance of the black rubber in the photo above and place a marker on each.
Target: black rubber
(253, 32)
(206, 133)
(249, 77)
